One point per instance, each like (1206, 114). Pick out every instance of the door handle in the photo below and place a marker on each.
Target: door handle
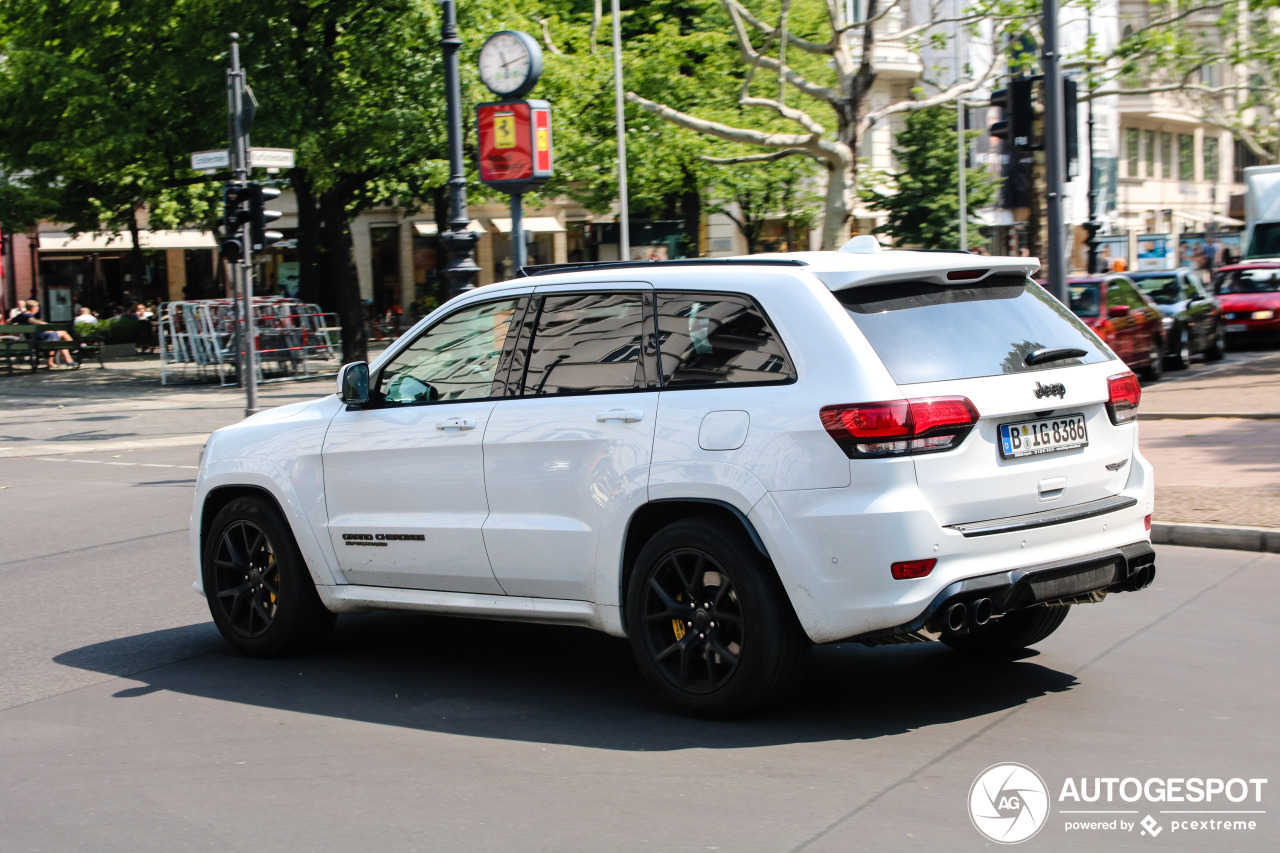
(626, 416)
(456, 423)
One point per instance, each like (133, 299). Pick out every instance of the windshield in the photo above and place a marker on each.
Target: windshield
(925, 332)
(1085, 299)
(1163, 289)
(1266, 241)
(1248, 281)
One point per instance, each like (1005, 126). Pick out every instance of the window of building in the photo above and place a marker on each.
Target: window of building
(717, 339)
(455, 359)
(587, 342)
(1149, 152)
(1131, 153)
(1186, 157)
(1166, 154)
(1242, 158)
(1211, 159)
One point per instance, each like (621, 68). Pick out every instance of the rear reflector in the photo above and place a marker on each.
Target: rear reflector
(1123, 396)
(912, 568)
(900, 427)
(1147, 522)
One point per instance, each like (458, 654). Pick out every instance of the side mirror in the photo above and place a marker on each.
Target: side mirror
(1118, 311)
(353, 383)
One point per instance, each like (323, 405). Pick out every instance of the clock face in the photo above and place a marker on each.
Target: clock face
(510, 63)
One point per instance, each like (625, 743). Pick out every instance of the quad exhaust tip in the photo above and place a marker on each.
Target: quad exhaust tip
(957, 616)
(981, 611)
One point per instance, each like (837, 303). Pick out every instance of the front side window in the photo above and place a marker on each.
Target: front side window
(717, 339)
(1163, 289)
(1248, 281)
(587, 342)
(456, 359)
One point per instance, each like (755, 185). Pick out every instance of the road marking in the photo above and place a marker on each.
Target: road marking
(156, 465)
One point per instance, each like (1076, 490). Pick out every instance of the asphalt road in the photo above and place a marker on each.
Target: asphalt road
(126, 723)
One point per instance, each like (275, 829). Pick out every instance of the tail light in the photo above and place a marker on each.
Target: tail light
(1123, 395)
(900, 427)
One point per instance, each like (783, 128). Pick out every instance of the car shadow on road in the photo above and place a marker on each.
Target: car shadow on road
(557, 685)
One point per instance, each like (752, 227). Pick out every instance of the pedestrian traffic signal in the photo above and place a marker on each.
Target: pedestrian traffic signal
(259, 216)
(234, 194)
(1071, 127)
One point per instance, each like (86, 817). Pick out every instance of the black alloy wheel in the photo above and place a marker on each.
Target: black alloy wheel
(246, 579)
(709, 621)
(692, 621)
(260, 593)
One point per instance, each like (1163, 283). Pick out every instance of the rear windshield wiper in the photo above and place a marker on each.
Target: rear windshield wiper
(1046, 354)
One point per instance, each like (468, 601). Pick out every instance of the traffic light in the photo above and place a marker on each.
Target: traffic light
(234, 194)
(1070, 127)
(259, 216)
(1016, 112)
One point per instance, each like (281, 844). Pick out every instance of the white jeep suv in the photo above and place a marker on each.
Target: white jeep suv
(722, 460)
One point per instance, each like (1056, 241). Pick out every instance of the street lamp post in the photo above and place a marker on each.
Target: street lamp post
(461, 268)
(1092, 225)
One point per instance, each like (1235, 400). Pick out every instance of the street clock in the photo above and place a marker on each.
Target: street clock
(510, 63)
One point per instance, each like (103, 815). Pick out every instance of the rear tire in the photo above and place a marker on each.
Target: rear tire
(1011, 632)
(260, 593)
(710, 623)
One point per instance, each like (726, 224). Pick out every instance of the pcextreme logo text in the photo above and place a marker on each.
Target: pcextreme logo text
(1010, 803)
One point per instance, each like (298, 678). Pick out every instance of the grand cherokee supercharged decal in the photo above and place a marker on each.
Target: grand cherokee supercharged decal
(380, 540)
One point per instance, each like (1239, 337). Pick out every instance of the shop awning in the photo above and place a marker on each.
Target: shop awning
(60, 241)
(430, 229)
(1206, 218)
(536, 224)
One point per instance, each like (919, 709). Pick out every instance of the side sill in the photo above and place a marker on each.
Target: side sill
(1045, 518)
(350, 598)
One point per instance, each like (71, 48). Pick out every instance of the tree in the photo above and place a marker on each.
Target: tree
(750, 195)
(922, 201)
(832, 64)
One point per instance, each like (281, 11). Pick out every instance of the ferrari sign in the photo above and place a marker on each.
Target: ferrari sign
(515, 144)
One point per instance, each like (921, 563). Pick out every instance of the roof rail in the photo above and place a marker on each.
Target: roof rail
(544, 269)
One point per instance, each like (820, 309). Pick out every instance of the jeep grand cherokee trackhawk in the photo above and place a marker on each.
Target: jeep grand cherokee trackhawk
(724, 461)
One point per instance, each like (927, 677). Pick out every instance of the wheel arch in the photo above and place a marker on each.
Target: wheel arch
(651, 517)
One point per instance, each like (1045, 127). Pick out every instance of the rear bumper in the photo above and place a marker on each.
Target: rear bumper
(1125, 569)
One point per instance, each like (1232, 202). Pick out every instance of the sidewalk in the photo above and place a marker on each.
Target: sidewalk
(1212, 432)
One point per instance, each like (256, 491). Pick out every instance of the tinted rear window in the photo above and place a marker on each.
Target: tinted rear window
(926, 332)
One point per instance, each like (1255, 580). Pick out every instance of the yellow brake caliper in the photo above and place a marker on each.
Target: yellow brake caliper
(676, 624)
(275, 578)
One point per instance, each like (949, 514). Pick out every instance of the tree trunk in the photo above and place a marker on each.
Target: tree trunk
(308, 237)
(137, 265)
(691, 210)
(838, 207)
(339, 286)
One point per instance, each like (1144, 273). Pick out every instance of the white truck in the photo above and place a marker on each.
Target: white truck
(1262, 212)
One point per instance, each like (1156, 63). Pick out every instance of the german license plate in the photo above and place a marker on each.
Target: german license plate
(1031, 438)
(1237, 327)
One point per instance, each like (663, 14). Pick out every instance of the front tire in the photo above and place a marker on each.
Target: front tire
(1180, 359)
(709, 622)
(1218, 348)
(1155, 366)
(259, 591)
(1011, 632)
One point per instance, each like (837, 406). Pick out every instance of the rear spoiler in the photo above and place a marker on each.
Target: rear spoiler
(954, 270)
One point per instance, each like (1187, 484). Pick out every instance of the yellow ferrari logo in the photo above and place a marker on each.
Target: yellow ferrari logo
(504, 130)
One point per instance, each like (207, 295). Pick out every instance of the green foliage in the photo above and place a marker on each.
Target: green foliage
(922, 198)
(751, 193)
(115, 330)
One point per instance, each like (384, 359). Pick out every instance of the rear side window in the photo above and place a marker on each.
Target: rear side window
(717, 339)
(586, 342)
(925, 332)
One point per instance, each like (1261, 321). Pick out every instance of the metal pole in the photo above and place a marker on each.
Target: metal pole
(1092, 225)
(240, 172)
(963, 164)
(1055, 162)
(518, 248)
(461, 268)
(624, 219)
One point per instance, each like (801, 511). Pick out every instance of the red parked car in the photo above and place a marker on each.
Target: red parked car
(1250, 298)
(1124, 317)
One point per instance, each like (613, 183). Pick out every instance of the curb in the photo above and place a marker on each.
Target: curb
(1198, 416)
(1216, 536)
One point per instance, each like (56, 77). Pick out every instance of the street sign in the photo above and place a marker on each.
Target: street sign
(515, 144)
(271, 158)
(204, 160)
